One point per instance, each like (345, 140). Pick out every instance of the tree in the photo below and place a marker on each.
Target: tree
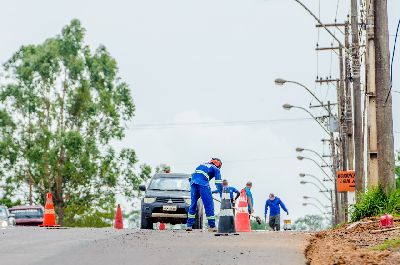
(397, 171)
(309, 223)
(61, 106)
(163, 168)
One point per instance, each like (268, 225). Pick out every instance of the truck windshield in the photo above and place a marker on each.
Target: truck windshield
(171, 184)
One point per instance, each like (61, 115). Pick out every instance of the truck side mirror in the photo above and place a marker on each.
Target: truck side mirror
(142, 187)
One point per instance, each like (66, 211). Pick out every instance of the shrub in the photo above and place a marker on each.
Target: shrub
(375, 202)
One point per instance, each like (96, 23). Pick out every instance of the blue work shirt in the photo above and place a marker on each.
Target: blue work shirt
(231, 191)
(206, 172)
(274, 206)
(249, 195)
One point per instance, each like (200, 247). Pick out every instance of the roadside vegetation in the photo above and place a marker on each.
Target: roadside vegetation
(389, 244)
(376, 202)
(62, 104)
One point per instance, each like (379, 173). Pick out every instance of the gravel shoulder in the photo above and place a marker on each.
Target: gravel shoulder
(107, 246)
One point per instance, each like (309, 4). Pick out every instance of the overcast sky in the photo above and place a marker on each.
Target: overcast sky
(211, 61)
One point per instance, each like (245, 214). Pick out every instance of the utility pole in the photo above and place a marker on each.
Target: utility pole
(372, 146)
(384, 118)
(349, 105)
(338, 212)
(358, 124)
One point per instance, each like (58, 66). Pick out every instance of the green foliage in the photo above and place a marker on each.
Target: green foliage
(163, 168)
(376, 202)
(255, 226)
(309, 223)
(61, 105)
(389, 244)
(397, 170)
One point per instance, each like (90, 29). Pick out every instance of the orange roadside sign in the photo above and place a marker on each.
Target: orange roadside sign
(346, 181)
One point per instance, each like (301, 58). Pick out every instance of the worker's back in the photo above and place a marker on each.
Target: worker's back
(204, 173)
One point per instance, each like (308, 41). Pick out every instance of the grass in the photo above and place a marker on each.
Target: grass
(376, 202)
(388, 244)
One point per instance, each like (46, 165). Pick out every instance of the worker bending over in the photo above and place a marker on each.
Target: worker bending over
(200, 188)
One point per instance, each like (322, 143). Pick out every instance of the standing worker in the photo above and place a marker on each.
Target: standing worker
(250, 201)
(232, 190)
(274, 204)
(200, 188)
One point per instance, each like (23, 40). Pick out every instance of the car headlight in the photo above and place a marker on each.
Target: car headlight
(149, 200)
(188, 201)
(4, 223)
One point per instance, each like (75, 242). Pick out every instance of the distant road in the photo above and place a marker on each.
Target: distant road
(36, 246)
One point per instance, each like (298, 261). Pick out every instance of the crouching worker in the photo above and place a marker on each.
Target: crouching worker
(200, 188)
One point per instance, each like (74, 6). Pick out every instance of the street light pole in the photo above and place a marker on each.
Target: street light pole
(317, 200)
(302, 157)
(316, 206)
(281, 82)
(302, 175)
(300, 149)
(288, 107)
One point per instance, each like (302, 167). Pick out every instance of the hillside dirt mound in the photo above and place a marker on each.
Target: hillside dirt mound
(353, 244)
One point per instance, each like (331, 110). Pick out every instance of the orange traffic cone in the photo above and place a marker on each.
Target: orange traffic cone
(49, 218)
(118, 224)
(242, 214)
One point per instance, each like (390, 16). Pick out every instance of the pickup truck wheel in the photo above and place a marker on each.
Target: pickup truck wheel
(198, 224)
(146, 223)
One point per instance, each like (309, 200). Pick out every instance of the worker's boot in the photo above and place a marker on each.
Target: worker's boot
(212, 229)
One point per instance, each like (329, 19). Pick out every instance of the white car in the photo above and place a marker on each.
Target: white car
(6, 219)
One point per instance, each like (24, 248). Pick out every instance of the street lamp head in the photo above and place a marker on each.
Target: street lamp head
(287, 106)
(306, 197)
(299, 149)
(300, 157)
(303, 182)
(280, 81)
(302, 175)
(304, 204)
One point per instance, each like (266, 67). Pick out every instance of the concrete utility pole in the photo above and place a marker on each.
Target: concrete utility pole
(384, 118)
(371, 95)
(358, 124)
(349, 104)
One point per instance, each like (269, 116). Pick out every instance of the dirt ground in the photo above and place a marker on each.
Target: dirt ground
(353, 245)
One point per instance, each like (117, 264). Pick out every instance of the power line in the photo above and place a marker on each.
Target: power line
(213, 124)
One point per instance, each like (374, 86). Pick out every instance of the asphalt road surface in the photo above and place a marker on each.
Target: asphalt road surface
(38, 246)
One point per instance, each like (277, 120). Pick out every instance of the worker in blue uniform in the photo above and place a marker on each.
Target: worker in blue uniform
(232, 190)
(200, 188)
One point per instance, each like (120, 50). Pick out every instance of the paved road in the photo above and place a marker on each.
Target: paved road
(37, 246)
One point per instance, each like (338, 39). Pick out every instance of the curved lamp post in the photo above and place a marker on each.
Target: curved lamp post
(301, 149)
(315, 162)
(302, 175)
(318, 187)
(288, 107)
(281, 82)
(317, 200)
(316, 206)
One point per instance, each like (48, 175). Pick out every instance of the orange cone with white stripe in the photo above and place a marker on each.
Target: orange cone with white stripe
(242, 214)
(49, 218)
